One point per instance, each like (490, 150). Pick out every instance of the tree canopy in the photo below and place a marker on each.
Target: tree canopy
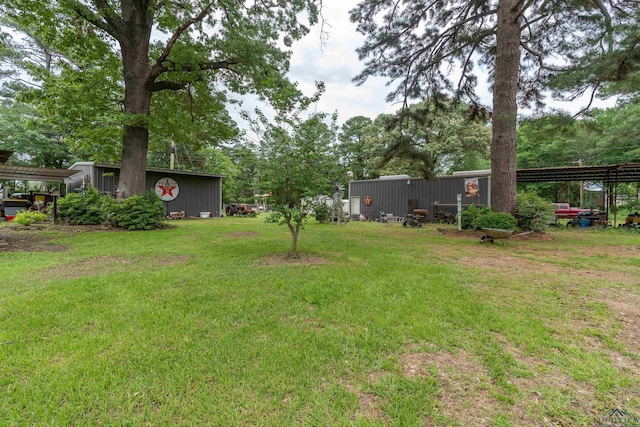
(118, 54)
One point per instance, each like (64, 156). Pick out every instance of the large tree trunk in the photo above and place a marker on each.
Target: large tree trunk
(134, 45)
(135, 139)
(505, 108)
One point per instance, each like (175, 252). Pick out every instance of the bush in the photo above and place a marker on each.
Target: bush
(499, 220)
(534, 213)
(88, 208)
(144, 212)
(27, 218)
(322, 211)
(469, 214)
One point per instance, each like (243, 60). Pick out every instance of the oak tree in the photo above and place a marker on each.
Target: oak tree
(167, 45)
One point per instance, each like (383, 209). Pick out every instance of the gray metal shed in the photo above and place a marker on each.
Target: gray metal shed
(198, 192)
(399, 195)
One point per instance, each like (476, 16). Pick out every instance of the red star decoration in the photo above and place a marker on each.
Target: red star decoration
(166, 189)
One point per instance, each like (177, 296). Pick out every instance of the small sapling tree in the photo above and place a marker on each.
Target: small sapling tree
(297, 165)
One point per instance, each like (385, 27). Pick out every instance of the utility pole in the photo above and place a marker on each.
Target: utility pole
(173, 155)
(581, 186)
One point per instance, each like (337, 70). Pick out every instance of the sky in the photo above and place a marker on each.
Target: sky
(336, 63)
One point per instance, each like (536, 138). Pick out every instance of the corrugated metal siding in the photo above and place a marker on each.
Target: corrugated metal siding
(394, 196)
(75, 182)
(106, 179)
(197, 193)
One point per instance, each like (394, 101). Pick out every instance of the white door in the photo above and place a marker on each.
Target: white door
(354, 206)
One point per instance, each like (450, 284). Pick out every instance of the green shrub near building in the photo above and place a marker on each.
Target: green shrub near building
(533, 212)
(471, 213)
(144, 212)
(498, 220)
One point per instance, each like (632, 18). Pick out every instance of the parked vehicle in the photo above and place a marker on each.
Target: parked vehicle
(565, 211)
(9, 208)
(240, 209)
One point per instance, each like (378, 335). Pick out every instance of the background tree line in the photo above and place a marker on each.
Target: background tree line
(84, 80)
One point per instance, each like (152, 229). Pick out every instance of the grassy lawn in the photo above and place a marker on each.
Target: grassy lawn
(202, 324)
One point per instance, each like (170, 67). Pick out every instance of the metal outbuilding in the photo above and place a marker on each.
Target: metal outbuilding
(400, 194)
(195, 193)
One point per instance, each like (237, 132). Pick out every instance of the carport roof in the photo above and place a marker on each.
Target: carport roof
(28, 173)
(151, 169)
(629, 172)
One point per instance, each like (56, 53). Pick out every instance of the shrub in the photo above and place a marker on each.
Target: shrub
(88, 208)
(322, 211)
(144, 212)
(499, 220)
(27, 218)
(469, 214)
(533, 212)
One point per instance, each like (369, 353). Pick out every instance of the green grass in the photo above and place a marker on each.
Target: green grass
(195, 325)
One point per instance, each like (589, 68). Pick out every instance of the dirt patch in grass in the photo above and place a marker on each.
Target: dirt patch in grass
(540, 389)
(27, 239)
(275, 260)
(101, 265)
(625, 310)
(38, 237)
(465, 384)
(477, 234)
(470, 396)
(628, 314)
(369, 406)
(498, 262)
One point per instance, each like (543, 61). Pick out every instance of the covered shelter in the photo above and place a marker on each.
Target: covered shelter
(609, 175)
(30, 173)
(10, 206)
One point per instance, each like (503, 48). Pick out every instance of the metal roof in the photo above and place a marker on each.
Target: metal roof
(28, 173)
(150, 169)
(629, 172)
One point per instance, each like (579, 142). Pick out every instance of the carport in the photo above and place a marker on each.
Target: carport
(29, 173)
(609, 175)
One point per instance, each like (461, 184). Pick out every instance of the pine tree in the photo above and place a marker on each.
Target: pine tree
(436, 47)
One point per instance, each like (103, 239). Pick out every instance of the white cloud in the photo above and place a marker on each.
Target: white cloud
(336, 63)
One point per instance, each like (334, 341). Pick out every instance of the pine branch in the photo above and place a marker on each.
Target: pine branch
(540, 59)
